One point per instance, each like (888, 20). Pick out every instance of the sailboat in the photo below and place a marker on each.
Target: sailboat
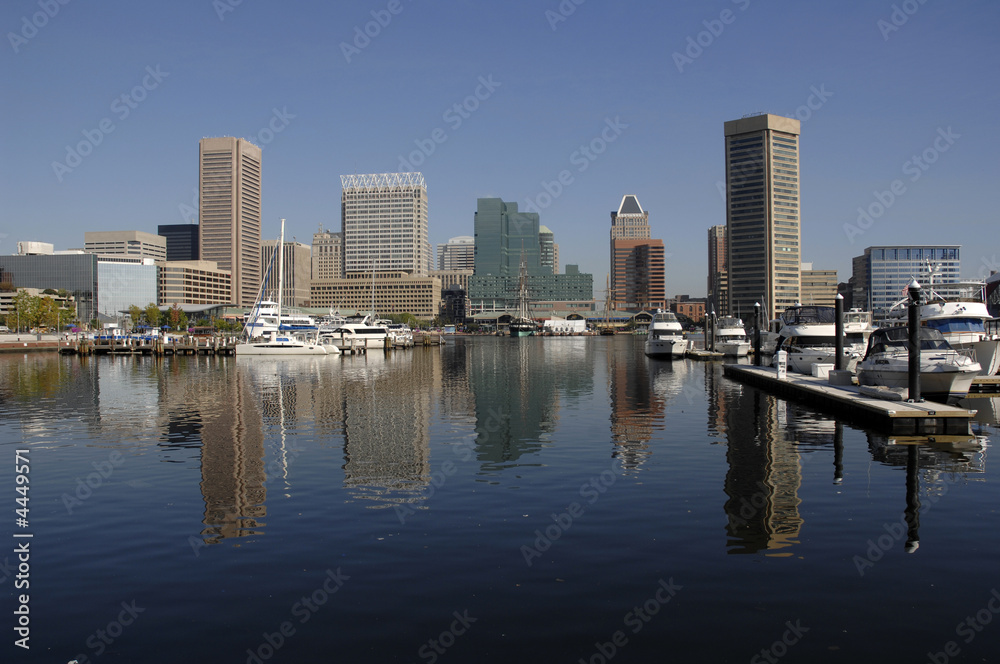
(522, 325)
(280, 343)
(609, 328)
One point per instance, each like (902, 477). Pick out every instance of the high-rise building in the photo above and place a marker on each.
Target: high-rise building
(717, 277)
(229, 202)
(297, 269)
(182, 241)
(137, 244)
(327, 255)
(459, 253)
(384, 223)
(819, 287)
(503, 236)
(548, 250)
(762, 213)
(638, 275)
(882, 274)
(637, 261)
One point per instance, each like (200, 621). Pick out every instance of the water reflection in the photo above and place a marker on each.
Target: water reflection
(764, 475)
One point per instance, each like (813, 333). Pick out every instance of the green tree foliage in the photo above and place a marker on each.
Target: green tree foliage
(152, 315)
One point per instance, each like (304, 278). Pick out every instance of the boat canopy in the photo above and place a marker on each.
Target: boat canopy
(806, 314)
(891, 339)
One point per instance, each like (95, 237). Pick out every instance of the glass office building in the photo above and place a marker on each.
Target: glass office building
(76, 273)
(122, 282)
(883, 273)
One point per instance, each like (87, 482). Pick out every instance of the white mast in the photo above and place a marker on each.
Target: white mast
(281, 271)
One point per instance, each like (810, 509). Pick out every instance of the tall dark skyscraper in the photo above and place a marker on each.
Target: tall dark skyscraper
(763, 232)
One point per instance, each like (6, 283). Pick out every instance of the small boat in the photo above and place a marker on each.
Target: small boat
(730, 337)
(353, 335)
(278, 343)
(665, 337)
(946, 374)
(808, 335)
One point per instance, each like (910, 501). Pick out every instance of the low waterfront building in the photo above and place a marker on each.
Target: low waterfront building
(388, 292)
(193, 282)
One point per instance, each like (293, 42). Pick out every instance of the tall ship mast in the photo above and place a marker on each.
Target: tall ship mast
(522, 325)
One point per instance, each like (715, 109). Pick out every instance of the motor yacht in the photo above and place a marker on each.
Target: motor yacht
(665, 337)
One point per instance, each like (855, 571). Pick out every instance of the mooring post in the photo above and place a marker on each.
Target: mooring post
(756, 334)
(914, 345)
(838, 331)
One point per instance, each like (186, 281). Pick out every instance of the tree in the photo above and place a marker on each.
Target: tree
(177, 318)
(48, 312)
(135, 313)
(152, 315)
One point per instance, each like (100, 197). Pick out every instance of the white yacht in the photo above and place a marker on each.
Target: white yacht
(730, 337)
(959, 312)
(354, 335)
(946, 374)
(278, 343)
(808, 335)
(400, 333)
(665, 337)
(263, 319)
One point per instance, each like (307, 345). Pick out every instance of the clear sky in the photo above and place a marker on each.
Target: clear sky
(104, 103)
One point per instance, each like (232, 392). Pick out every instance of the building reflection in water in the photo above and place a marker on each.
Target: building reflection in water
(387, 408)
(764, 474)
(518, 395)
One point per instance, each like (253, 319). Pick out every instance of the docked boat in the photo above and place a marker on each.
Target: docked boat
(400, 334)
(808, 335)
(959, 312)
(730, 337)
(264, 318)
(946, 374)
(354, 335)
(521, 324)
(278, 343)
(665, 338)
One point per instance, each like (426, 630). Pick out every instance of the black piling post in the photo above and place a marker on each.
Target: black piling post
(838, 330)
(756, 334)
(914, 345)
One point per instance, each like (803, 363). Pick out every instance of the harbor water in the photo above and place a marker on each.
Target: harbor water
(492, 500)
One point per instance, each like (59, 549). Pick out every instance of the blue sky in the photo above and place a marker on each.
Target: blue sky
(646, 85)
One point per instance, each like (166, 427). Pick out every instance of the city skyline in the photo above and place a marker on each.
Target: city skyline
(897, 138)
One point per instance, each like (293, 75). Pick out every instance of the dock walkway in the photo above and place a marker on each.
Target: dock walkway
(896, 417)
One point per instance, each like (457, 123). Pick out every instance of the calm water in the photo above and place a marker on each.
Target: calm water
(495, 500)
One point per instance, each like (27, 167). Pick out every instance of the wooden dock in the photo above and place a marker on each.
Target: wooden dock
(894, 417)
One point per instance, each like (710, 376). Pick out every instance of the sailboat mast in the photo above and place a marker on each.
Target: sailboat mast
(281, 269)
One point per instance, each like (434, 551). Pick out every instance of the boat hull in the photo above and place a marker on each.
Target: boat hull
(273, 348)
(666, 348)
(733, 348)
(941, 386)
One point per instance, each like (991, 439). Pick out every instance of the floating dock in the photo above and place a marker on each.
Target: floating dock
(894, 417)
